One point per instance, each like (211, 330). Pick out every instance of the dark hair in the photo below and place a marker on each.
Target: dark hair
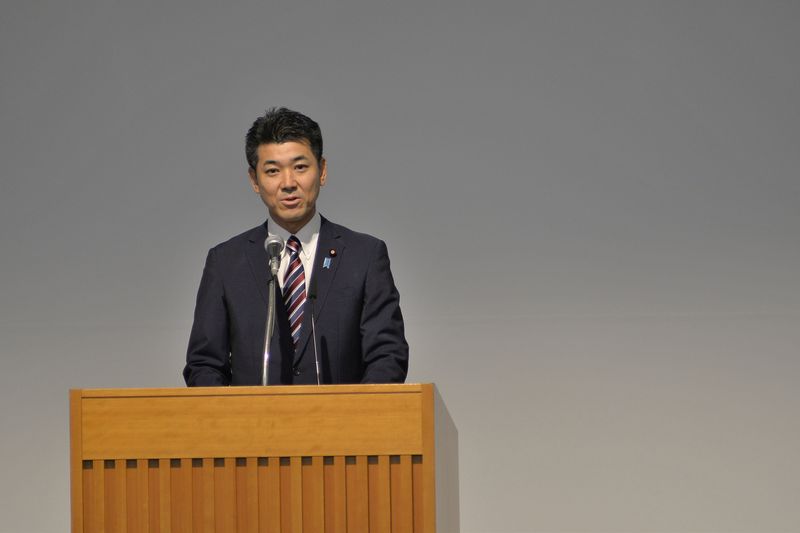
(279, 125)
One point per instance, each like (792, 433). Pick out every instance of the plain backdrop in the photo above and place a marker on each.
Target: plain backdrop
(592, 211)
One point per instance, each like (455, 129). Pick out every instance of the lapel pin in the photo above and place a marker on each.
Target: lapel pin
(332, 252)
(326, 263)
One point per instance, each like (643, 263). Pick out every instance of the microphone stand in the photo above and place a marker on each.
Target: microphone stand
(273, 245)
(269, 329)
(312, 296)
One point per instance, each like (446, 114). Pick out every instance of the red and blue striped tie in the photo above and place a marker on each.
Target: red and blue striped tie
(294, 289)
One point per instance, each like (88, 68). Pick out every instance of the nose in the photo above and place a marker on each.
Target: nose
(288, 181)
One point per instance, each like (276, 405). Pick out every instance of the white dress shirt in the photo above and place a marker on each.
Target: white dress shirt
(308, 236)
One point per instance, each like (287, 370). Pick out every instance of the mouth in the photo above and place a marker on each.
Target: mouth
(291, 201)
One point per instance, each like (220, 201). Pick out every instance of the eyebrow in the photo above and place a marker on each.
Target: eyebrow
(275, 162)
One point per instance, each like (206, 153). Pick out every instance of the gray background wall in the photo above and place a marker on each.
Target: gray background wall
(591, 208)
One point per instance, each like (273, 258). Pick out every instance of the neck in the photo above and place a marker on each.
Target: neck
(294, 227)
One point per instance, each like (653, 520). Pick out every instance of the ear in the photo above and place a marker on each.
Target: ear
(323, 171)
(253, 180)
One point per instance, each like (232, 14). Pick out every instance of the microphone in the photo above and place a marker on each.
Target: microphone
(274, 246)
(312, 296)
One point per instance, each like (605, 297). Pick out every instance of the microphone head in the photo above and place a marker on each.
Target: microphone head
(274, 246)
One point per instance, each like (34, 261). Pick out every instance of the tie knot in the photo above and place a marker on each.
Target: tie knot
(294, 244)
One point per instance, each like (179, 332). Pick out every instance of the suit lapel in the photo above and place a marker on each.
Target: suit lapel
(259, 263)
(330, 248)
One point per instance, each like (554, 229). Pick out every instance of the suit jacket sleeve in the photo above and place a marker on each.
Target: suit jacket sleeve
(208, 354)
(384, 348)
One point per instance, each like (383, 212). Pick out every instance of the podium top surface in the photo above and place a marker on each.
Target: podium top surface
(253, 390)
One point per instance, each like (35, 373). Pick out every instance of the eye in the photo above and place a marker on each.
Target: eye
(271, 171)
(301, 167)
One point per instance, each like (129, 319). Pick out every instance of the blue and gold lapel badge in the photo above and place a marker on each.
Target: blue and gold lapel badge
(326, 263)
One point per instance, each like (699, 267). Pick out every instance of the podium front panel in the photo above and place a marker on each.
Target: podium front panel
(340, 458)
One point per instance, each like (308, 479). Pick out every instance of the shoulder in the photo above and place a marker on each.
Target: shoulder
(234, 250)
(349, 236)
(243, 239)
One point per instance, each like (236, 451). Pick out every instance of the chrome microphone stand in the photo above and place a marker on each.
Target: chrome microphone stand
(273, 245)
(269, 329)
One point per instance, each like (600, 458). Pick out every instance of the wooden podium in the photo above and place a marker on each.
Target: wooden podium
(333, 458)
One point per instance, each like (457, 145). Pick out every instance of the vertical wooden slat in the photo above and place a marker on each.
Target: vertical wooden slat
(251, 469)
(313, 494)
(176, 498)
(143, 493)
(418, 493)
(188, 493)
(269, 495)
(143, 475)
(230, 493)
(286, 495)
(77, 472)
(402, 501)
(429, 461)
(114, 472)
(357, 495)
(197, 496)
(246, 495)
(139, 509)
(121, 495)
(296, 494)
(241, 494)
(153, 499)
(87, 497)
(335, 495)
(225, 494)
(98, 513)
(110, 497)
(291, 495)
(181, 495)
(380, 510)
(207, 476)
(164, 503)
(132, 500)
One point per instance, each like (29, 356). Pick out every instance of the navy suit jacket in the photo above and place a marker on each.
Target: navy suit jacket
(360, 337)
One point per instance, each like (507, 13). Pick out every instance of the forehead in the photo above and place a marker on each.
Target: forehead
(283, 153)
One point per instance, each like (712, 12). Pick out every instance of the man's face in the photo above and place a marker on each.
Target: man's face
(288, 178)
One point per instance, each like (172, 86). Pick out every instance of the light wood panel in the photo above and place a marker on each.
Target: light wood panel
(247, 494)
(224, 494)
(181, 495)
(115, 497)
(313, 503)
(269, 495)
(357, 494)
(316, 492)
(78, 480)
(418, 492)
(380, 510)
(401, 490)
(335, 494)
(258, 494)
(256, 424)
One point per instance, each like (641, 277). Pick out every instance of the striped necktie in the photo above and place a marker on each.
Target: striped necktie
(294, 289)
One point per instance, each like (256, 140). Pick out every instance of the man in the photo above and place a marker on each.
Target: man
(359, 326)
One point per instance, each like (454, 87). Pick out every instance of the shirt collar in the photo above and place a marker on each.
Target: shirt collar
(306, 235)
